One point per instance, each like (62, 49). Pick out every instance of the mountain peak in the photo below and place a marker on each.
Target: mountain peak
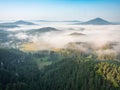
(97, 21)
(98, 18)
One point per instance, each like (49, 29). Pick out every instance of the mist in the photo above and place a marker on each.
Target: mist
(85, 38)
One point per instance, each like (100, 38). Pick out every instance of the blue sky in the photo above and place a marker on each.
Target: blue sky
(59, 9)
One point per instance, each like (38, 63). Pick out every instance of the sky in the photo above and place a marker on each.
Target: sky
(59, 9)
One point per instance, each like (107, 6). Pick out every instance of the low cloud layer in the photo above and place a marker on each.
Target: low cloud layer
(83, 37)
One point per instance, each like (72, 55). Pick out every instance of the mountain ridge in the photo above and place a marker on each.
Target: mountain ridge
(97, 21)
(21, 22)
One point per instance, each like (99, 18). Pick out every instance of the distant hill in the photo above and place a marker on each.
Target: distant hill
(58, 21)
(72, 21)
(97, 21)
(15, 24)
(76, 34)
(21, 22)
(7, 25)
(41, 30)
(45, 21)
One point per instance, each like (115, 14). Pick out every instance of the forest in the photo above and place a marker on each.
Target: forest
(57, 70)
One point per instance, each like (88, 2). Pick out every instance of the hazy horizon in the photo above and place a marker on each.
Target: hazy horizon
(57, 20)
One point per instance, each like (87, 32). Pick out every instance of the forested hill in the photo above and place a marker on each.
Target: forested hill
(66, 71)
(18, 71)
(76, 75)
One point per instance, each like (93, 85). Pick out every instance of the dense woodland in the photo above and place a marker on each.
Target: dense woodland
(63, 70)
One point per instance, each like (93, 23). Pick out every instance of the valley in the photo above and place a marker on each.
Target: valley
(59, 56)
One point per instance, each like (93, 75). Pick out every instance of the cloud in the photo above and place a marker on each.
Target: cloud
(21, 36)
(97, 37)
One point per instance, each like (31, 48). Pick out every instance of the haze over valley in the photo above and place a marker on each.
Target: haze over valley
(58, 35)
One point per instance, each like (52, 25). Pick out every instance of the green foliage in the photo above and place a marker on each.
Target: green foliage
(110, 72)
(69, 74)
(17, 70)
(50, 70)
(107, 56)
